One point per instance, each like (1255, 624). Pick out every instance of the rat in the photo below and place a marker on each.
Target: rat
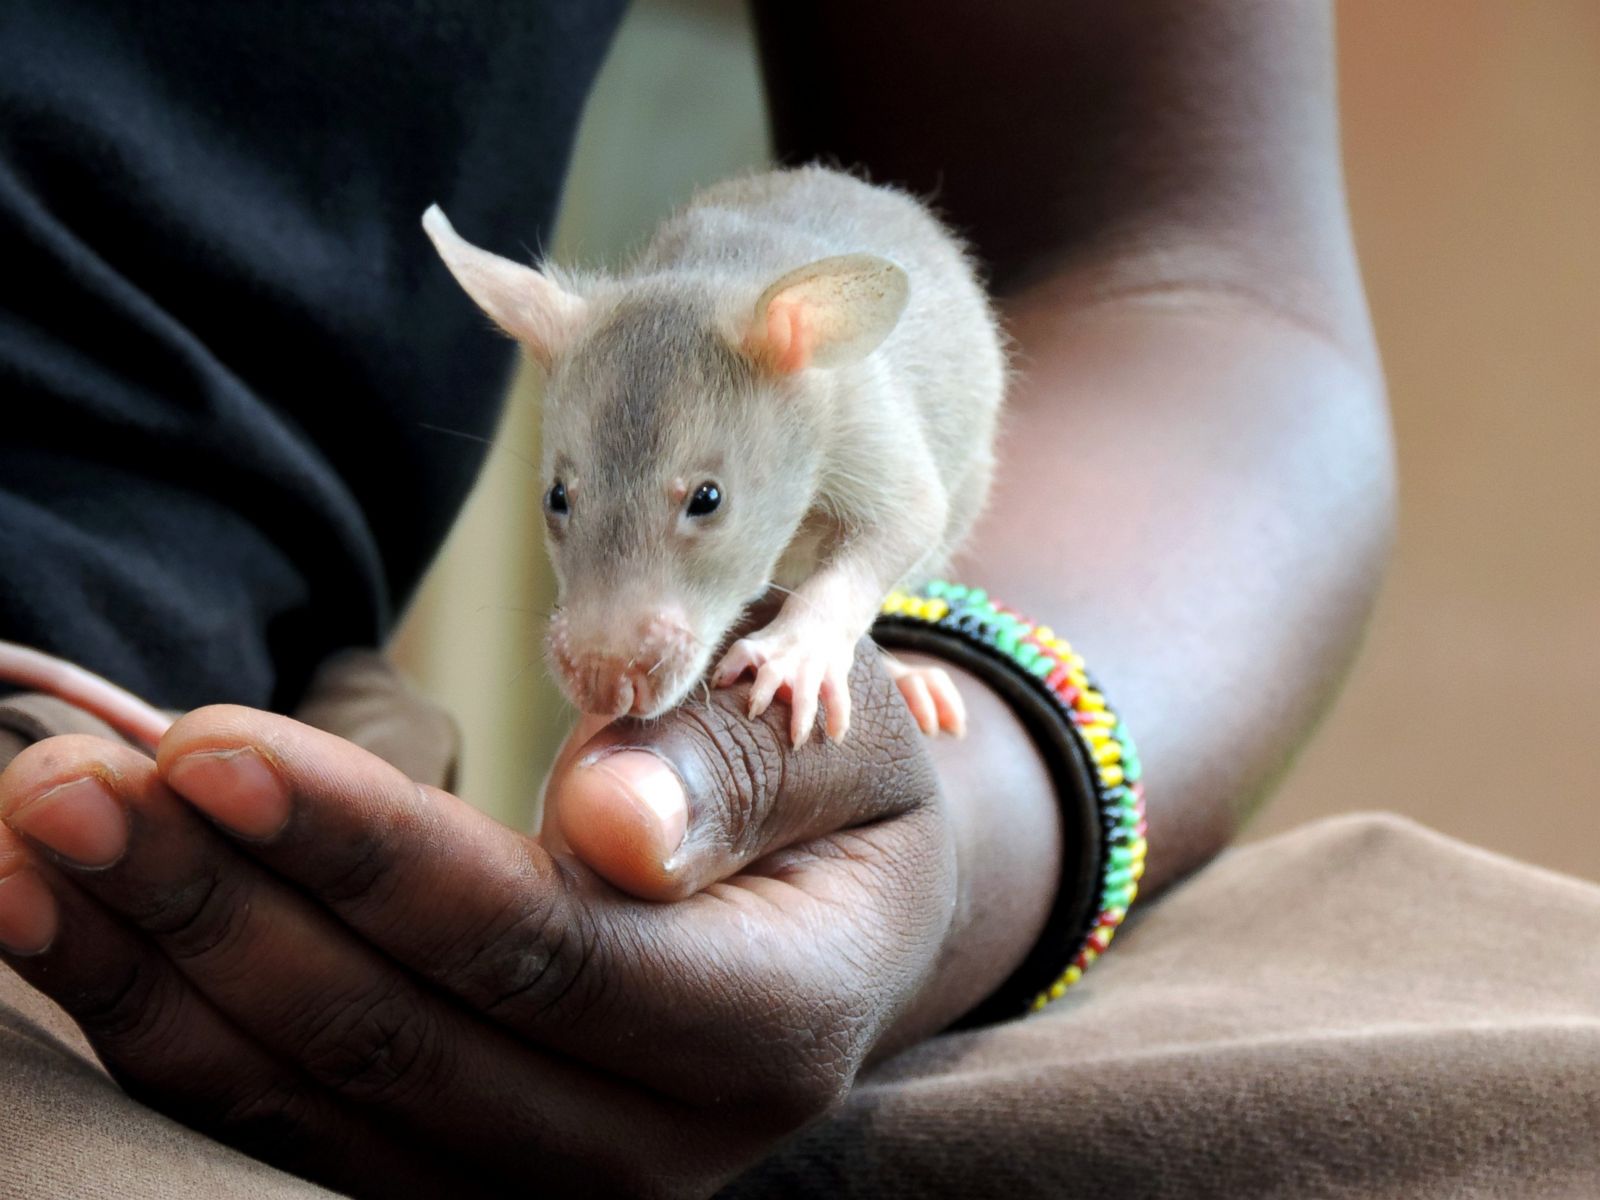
(795, 384)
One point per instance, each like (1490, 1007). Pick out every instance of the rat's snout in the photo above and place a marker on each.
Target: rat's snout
(627, 667)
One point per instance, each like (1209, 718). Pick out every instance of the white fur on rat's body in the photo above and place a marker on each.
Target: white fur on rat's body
(856, 464)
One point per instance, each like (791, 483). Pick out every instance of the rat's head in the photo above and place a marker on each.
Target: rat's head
(679, 452)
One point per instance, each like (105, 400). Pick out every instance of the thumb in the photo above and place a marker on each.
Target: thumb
(663, 808)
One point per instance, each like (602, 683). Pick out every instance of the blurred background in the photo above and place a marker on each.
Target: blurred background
(1472, 145)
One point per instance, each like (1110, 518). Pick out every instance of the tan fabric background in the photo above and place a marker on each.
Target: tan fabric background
(1473, 149)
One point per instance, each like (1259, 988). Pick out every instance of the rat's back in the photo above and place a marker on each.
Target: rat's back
(940, 374)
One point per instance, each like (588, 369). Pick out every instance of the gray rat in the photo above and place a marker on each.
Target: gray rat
(795, 384)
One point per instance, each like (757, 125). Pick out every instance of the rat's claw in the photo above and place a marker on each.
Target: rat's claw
(809, 675)
(931, 695)
(836, 701)
(914, 690)
(741, 657)
(952, 709)
(769, 678)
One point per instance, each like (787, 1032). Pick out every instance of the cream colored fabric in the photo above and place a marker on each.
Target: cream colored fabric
(1359, 1008)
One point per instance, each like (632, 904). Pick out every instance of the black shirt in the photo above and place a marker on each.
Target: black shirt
(222, 331)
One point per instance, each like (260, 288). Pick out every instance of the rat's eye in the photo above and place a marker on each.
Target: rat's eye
(705, 501)
(555, 500)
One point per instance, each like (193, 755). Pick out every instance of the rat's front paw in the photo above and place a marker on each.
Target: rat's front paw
(805, 670)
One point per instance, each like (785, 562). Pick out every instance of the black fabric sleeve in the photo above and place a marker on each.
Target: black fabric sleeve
(222, 332)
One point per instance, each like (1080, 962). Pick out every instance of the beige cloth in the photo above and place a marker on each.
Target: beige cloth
(1360, 1008)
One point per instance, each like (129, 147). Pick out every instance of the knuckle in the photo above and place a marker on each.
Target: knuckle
(200, 917)
(744, 765)
(362, 872)
(534, 961)
(276, 1114)
(383, 1047)
(141, 1000)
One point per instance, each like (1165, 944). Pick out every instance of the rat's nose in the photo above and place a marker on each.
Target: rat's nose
(632, 667)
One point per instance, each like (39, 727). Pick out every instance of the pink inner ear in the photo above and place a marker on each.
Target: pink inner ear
(790, 337)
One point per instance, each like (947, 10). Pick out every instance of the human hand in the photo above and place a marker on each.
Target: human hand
(368, 982)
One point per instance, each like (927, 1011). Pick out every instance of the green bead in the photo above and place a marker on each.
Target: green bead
(1041, 666)
(937, 589)
(1116, 898)
(1121, 856)
(955, 593)
(1027, 655)
(1120, 877)
(978, 596)
(1006, 641)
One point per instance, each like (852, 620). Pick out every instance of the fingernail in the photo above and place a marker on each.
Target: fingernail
(654, 787)
(81, 821)
(235, 788)
(28, 914)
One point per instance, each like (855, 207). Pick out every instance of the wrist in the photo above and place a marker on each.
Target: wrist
(1005, 824)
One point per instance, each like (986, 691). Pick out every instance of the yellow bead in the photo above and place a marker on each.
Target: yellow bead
(1097, 736)
(1078, 679)
(895, 603)
(1072, 975)
(937, 610)
(1057, 990)
(1092, 700)
(1138, 870)
(1045, 634)
(1039, 1002)
(1108, 751)
(1111, 776)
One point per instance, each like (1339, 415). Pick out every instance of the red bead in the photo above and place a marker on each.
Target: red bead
(1100, 939)
(1056, 678)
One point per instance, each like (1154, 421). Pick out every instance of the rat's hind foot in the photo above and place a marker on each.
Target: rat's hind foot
(931, 695)
(800, 670)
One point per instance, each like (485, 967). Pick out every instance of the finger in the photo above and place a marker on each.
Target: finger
(744, 788)
(752, 994)
(169, 1048)
(281, 970)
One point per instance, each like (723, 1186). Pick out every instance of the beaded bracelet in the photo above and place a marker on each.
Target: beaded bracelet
(1091, 757)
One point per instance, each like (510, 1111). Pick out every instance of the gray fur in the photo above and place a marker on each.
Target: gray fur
(886, 459)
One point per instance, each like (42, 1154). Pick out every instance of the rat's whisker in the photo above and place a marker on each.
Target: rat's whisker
(805, 600)
(489, 442)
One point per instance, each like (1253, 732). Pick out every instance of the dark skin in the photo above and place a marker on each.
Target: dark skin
(369, 983)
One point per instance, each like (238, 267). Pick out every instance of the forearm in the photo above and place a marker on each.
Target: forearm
(1199, 494)
(1195, 483)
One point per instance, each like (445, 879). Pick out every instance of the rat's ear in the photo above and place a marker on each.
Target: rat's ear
(520, 300)
(829, 313)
